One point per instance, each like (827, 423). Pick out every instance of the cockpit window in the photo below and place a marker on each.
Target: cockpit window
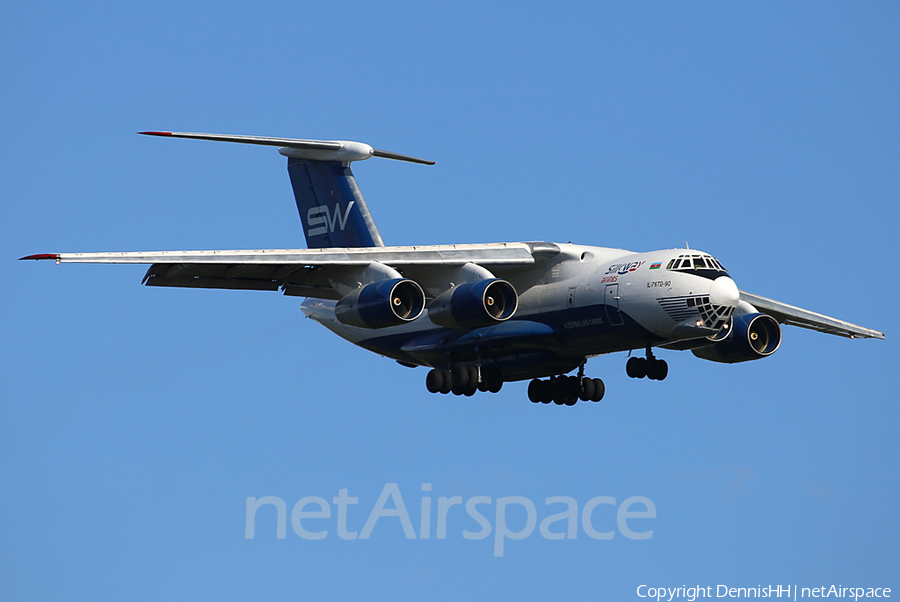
(696, 261)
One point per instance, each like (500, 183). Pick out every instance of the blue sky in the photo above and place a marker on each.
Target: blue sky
(136, 422)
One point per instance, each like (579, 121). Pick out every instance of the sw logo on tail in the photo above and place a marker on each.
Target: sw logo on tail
(323, 221)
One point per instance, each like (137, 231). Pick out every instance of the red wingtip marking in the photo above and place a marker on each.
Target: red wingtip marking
(41, 256)
(156, 133)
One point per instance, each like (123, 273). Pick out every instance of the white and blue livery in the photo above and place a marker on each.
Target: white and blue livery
(479, 315)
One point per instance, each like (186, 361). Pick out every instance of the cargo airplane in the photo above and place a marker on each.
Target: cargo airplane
(479, 315)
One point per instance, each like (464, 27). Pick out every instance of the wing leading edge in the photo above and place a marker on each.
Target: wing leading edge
(493, 253)
(796, 316)
(304, 272)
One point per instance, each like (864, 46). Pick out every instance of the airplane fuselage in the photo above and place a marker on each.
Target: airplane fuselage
(586, 301)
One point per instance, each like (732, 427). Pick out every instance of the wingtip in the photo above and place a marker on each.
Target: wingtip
(155, 133)
(41, 256)
(398, 157)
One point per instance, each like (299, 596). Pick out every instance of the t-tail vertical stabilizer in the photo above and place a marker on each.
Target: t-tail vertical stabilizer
(332, 208)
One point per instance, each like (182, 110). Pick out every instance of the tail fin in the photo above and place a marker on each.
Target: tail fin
(332, 209)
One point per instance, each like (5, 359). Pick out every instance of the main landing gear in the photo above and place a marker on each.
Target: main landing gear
(561, 390)
(566, 390)
(652, 368)
(463, 380)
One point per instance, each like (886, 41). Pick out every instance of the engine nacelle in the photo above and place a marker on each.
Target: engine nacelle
(475, 304)
(381, 304)
(751, 337)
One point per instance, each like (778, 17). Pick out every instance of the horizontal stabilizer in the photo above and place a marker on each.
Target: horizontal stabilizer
(316, 150)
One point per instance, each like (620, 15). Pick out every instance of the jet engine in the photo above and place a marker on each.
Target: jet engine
(381, 304)
(475, 304)
(751, 337)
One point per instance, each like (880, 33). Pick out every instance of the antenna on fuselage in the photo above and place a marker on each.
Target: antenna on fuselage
(686, 245)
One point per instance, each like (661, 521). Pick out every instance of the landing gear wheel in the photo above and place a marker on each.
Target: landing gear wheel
(491, 380)
(631, 367)
(470, 385)
(556, 390)
(566, 390)
(587, 389)
(641, 367)
(546, 391)
(535, 390)
(662, 369)
(636, 367)
(434, 381)
(657, 370)
(447, 384)
(560, 392)
(460, 378)
(599, 390)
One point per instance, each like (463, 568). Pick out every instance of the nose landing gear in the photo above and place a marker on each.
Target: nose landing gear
(652, 368)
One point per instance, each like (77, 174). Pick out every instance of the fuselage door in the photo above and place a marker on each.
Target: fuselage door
(612, 305)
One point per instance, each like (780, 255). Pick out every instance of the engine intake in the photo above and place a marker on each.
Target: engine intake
(382, 304)
(751, 337)
(475, 304)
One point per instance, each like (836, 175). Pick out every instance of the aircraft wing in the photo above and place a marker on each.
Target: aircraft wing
(306, 272)
(796, 316)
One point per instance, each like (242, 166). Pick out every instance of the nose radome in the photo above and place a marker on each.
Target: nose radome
(724, 292)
